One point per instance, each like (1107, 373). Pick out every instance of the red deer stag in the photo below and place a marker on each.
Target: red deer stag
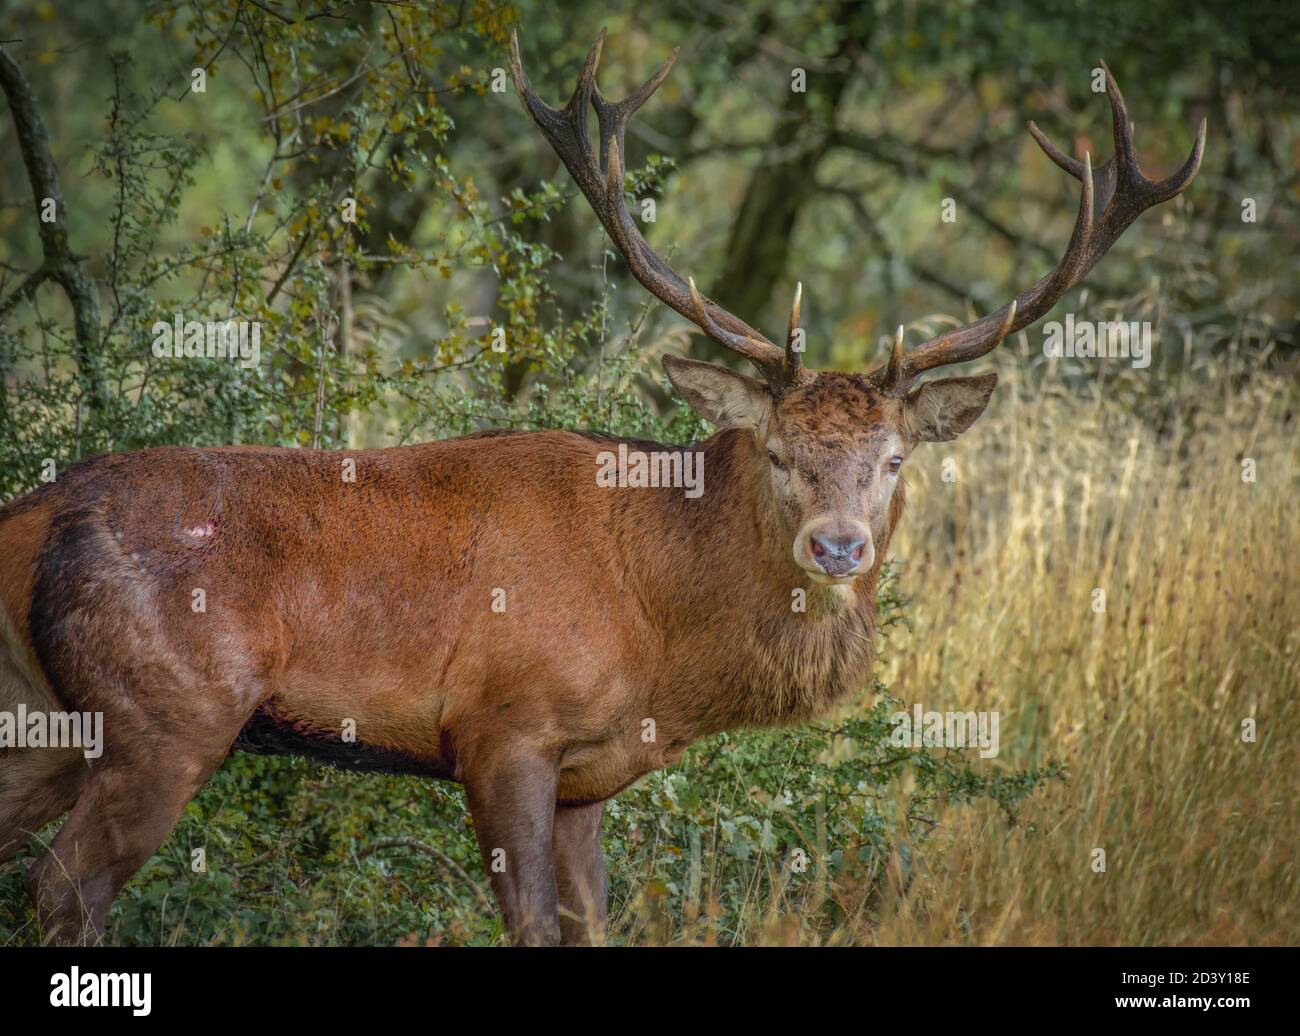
(483, 609)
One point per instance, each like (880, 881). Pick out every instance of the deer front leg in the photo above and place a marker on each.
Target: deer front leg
(580, 874)
(512, 800)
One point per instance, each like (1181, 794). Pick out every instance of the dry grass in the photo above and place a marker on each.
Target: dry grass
(1059, 494)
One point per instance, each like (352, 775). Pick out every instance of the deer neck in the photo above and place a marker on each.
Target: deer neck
(754, 642)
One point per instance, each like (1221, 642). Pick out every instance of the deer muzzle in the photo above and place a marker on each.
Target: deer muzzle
(834, 550)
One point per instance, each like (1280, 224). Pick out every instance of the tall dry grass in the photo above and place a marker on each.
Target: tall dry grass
(1058, 493)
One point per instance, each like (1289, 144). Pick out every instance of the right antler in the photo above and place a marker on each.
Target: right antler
(1123, 194)
(565, 129)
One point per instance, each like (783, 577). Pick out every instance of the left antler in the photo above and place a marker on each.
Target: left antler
(1123, 194)
(565, 129)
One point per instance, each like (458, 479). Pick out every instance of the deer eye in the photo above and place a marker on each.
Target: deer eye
(894, 464)
(776, 461)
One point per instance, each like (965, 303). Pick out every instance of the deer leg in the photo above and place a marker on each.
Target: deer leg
(125, 811)
(37, 785)
(512, 801)
(580, 874)
(116, 637)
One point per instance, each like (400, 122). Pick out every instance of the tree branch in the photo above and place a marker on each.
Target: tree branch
(437, 854)
(894, 155)
(24, 291)
(60, 264)
(919, 269)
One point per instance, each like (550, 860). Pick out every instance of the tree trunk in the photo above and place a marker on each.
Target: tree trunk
(759, 245)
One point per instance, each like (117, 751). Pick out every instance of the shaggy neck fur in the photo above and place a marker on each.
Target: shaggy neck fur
(737, 650)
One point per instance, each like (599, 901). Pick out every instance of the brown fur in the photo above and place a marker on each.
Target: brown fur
(371, 601)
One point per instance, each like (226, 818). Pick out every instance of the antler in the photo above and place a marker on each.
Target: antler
(565, 129)
(1123, 193)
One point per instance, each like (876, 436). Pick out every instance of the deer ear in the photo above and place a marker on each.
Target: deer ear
(721, 396)
(939, 411)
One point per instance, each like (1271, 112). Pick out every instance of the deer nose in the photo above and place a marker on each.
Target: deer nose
(838, 554)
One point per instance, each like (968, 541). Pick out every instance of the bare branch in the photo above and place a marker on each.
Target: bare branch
(60, 264)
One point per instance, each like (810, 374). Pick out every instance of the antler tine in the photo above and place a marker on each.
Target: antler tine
(893, 369)
(567, 125)
(754, 350)
(1107, 174)
(613, 116)
(1117, 188)
(601, 181)
(1125, 157)
(957, 346)
(793, 343)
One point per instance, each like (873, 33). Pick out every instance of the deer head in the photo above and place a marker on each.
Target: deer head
(833, 444)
